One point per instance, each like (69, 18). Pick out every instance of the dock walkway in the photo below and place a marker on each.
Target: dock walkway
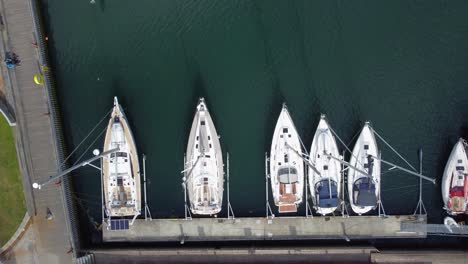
(35, 138)
(280, 228)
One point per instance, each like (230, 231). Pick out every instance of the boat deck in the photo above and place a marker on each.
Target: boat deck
(288, 198)
(260, 228)
(287, 208)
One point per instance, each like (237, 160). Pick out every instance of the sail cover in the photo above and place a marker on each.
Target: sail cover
(324, 191)
(366, 192)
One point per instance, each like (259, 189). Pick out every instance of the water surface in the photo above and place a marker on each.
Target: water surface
(401, 64)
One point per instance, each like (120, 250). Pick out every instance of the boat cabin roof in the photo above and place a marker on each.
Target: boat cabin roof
(287, 175)
(119, 154)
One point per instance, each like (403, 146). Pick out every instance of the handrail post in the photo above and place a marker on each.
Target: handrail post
(420, 204)
(188, 216)
(229, 209)
(102, 192)
(268, 207)
(147, 210)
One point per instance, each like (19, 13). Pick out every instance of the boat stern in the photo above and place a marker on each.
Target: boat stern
(205, 210)
(287, 208)
(360, 210)
(325, 211)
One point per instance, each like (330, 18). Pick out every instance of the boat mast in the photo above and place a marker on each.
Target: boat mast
(406, 170)
(348, 165)
(268, 210)
(102, 190)
(229, 211)
(82, 164)
(147, 210)
(306, 186)
(344, 210)
(380, 205)
(188, 216)
(329, 188)
(420, 205)
(308, 162)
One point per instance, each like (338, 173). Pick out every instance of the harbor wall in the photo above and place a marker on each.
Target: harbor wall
(71, 214)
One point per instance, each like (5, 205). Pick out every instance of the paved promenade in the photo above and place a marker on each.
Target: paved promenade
(35, 142)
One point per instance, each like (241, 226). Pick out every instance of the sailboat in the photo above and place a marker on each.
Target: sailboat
(455, 180)
(121, 169)
(325, 172)
(204, 173)
(286, 165)
(364, 189)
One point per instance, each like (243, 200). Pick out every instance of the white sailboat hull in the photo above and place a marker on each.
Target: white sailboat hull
(286, 165)
(329, 169)
(455, 172)
(365, 145)
(204, 171)
(121, 170)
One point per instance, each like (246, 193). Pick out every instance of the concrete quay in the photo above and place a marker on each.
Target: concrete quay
(279, 228)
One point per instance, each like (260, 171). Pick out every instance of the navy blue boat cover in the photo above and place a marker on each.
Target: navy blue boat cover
(366, 193)
(325, 200)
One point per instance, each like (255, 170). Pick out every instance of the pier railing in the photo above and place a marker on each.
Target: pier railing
(56, 127)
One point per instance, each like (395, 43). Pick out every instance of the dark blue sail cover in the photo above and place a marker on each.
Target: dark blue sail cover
(366, 192)
(324, 190)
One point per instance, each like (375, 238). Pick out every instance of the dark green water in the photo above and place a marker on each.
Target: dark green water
(401, 64)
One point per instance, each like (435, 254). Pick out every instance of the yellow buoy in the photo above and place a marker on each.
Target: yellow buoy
(39, 79)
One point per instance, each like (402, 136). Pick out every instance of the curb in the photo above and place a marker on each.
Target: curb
(17, 235)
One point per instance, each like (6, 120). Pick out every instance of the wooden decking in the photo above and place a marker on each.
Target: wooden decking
(288, 198)
(287, 208)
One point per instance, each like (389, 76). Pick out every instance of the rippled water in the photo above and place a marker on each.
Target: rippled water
(401, 64)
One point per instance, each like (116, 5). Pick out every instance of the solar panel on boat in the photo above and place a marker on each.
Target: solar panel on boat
(120, 224)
